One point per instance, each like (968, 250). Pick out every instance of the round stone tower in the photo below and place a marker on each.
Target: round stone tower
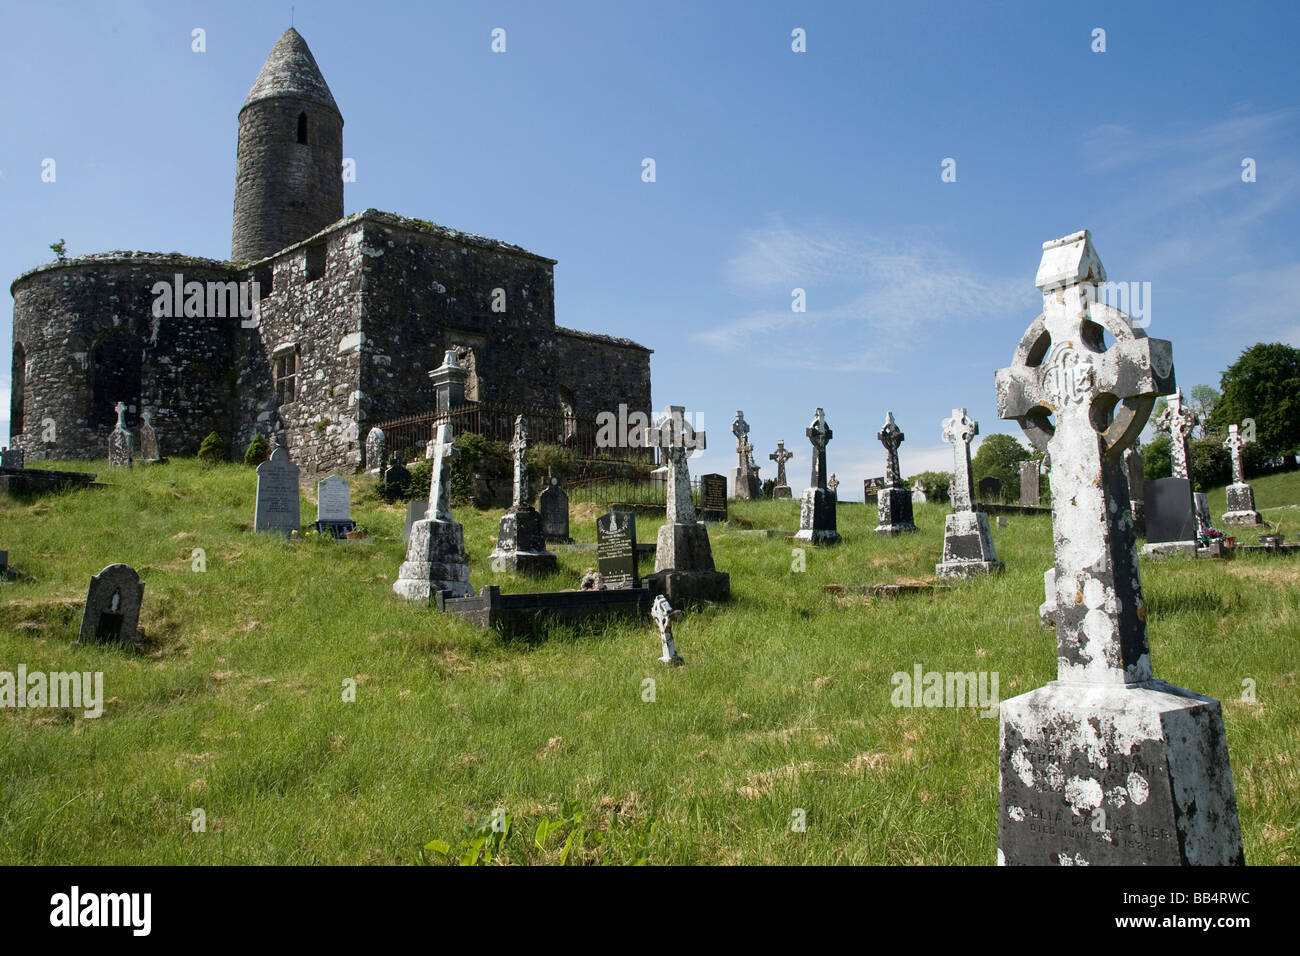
(289, 180)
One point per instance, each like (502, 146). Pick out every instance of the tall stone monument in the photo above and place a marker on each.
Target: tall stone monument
(683, 558)
(435, 551)
(967, 538)
(1106, 764)
(120, 441)
(521, 539)
(782, 487)
(1241, 496)
(817, 512)
(1178, 420)
(894, 501)
(745, 485)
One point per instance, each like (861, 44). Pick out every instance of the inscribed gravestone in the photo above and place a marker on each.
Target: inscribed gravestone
(277, 507)
(334, 507)
(746, 485)
(112, 606)
(395, 478)
(553, 505)
(435, 551)
(1106, 765)
(1029, 492)
(616, 548)
(713, 497)
(12, 458)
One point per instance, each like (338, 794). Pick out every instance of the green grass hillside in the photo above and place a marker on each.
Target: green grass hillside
(234, 703)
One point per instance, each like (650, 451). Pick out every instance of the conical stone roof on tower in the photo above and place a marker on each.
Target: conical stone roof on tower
(289, 179)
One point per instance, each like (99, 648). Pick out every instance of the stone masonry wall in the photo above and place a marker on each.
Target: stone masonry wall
(66, 314)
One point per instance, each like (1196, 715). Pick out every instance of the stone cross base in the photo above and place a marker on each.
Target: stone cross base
(1241, 507)
(1110, 775)
(745, 485)
(817, 518)
(521, 533)
(525, 562)
(435, 561)
(686, 587)
(1170, 549)
(781, 491)
(521, 530)
(967, 546)
(683, 547)
(894, 506)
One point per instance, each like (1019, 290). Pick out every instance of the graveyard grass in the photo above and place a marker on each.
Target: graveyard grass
(233, 704)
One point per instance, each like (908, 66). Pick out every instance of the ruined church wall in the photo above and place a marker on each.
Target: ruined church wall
(66, 314)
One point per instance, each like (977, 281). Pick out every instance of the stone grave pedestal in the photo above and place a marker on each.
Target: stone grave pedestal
(817, 517)
(1241, 507)
(435, 561)
(967, 546)
(521, 544)
(894, 507)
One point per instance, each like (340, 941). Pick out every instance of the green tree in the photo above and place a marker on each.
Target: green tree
(1210, 463)
(60, 249)
(937, 484)
(999, 456)
(213, 449)
(1203, 400)
(1263, 385)
(257, 451)
(1157, 458)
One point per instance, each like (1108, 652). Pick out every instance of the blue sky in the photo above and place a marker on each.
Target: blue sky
(775, 170)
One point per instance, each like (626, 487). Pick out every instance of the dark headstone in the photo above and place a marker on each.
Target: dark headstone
(395, 478)
(616, 548)
(871, 488)
(553, 505)
(990, 489)
(1169, 511)
(713, 497)
(11, 458)
(112, 611)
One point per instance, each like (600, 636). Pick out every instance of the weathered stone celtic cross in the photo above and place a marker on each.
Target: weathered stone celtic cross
(745, 485)
(521, 540)
(1241, 496)
(894, 501)
(781, 456)
(960, 430)
(683, 557)
(817, 510)
(819, 433)
(967, 538)
(519, 447)
(435, 551)
(1105, 765)
(1178, 420)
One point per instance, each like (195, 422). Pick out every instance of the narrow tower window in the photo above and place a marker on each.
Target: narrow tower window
(19, 383)
(302, 128)
(286, 374)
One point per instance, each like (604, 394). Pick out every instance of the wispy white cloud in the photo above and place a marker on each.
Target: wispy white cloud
(873, 293)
